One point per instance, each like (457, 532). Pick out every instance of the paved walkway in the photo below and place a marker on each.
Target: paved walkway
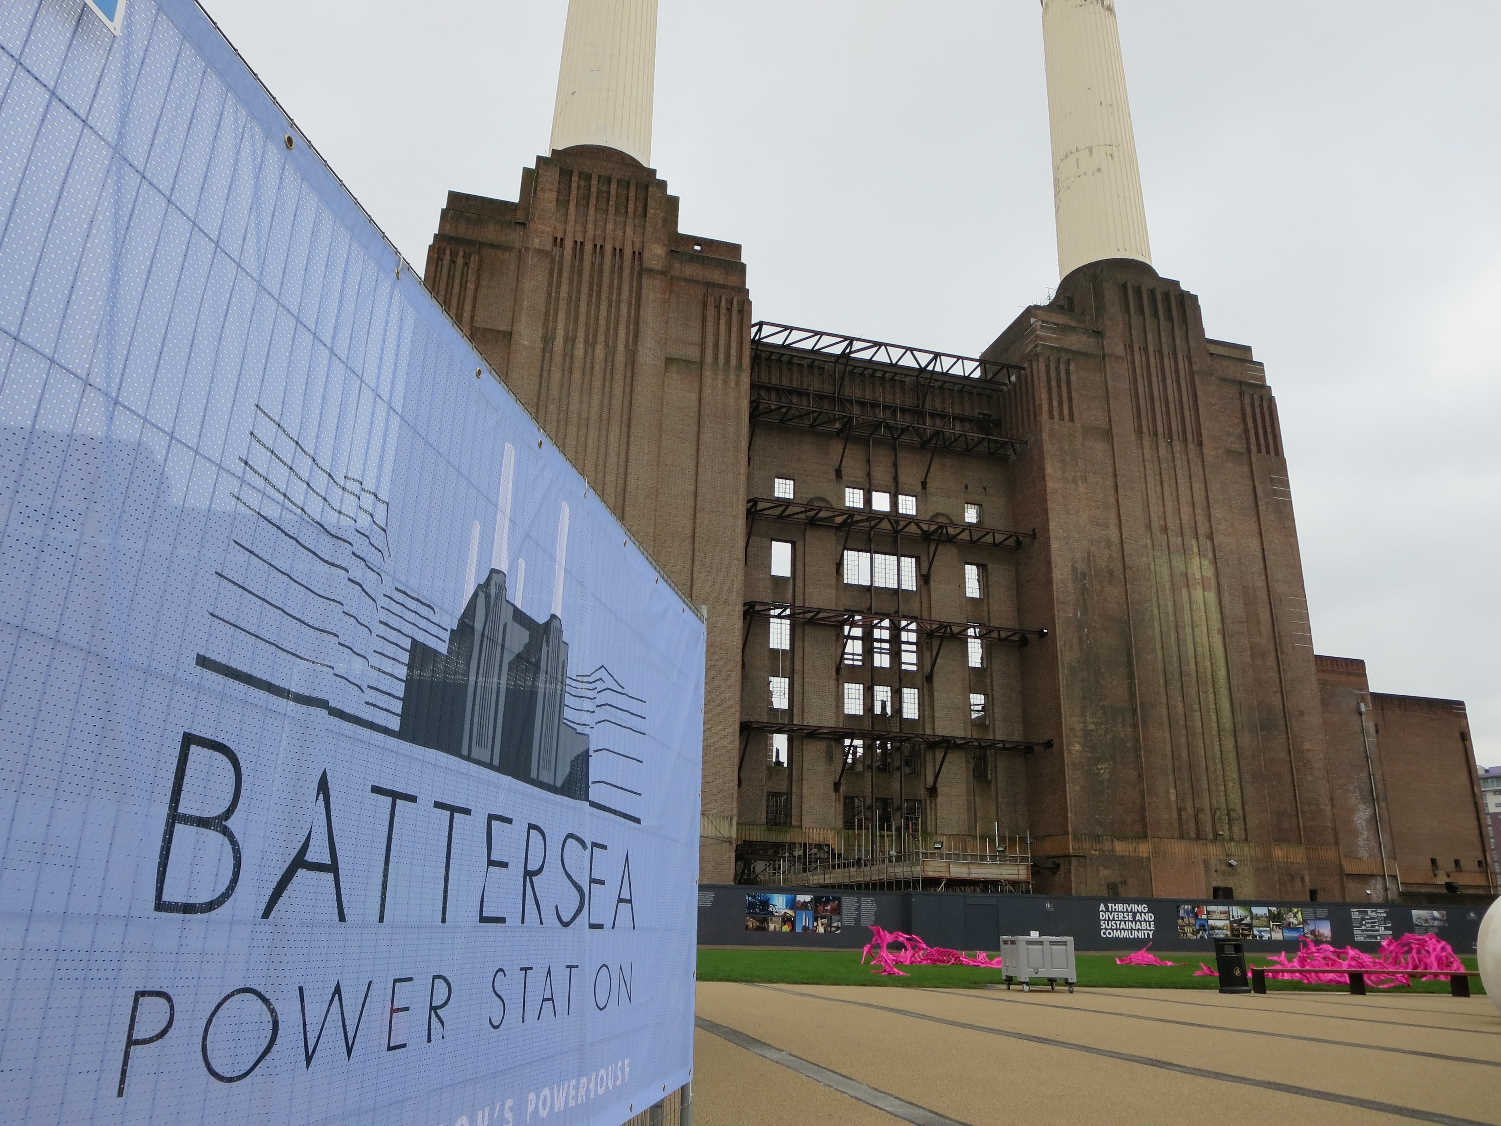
(806, 1053)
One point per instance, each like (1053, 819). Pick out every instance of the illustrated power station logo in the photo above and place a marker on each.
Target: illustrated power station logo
(306, 586)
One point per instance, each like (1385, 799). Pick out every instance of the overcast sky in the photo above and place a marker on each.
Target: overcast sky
(1325, 176)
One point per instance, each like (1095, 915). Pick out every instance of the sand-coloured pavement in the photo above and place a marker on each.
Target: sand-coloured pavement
(732, 1085)
(1115, 1055)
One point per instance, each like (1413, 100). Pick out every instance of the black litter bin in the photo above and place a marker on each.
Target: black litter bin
(1230, 960)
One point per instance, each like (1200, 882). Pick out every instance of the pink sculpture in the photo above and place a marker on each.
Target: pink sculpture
(889, 949)
(1142, 958)
(1407, 956)
(1205, 971)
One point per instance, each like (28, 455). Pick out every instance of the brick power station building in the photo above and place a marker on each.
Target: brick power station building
(1028, 619)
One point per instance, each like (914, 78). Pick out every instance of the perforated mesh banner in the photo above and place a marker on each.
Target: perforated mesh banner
(349, 751)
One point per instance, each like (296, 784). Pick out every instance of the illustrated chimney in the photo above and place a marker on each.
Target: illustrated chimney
(1096, 181)
(500, 547)
(606, 77)
(560, 559)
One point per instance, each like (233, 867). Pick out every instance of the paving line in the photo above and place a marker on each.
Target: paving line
(1338, 998)
(870, 1096)
(975, 995)
(1149, 1061)
(1299, 1013)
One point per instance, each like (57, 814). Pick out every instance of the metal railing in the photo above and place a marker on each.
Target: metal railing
(674, 1109)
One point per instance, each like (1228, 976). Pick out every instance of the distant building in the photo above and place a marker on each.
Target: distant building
(1490, 790)
(1402, 780)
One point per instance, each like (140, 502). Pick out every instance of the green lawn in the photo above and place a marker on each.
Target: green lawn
(842, 967)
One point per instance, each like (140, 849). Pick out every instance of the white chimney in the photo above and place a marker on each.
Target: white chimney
(1096, 182)
(500, 547)
(559, 558)
(606, 77)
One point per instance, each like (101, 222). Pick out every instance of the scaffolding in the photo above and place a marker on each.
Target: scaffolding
(893, 858)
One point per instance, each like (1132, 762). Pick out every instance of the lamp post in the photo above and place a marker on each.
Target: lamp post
(1386, 891)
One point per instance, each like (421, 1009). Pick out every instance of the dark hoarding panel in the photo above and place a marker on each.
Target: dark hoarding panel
(971, 922)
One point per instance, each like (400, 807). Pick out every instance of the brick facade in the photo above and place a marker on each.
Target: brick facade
(1152, 717)
(1182, 690)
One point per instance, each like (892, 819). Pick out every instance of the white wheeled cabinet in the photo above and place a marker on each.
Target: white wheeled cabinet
(1049, 957)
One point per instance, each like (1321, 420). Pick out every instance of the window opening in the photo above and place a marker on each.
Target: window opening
(776, 750)
(906, 504)
(909, 572)
(854, 699)
(779, 692)
(781, 559)
(854, 498)
(778, 808)
(782, 488)
(880, 501)
(977, 707)
(880, 570)
(976, 648)
(974, 580)
(780, 629)
(971, 513)
(909, 703)
(880, 644)
(880, 700)
(909, 646)
(857, 568)
(855, 816)
(854, 645)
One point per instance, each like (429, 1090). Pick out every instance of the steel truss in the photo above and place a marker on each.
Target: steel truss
(875, 353)
(848, 520)
(926, 627)
(794, 406)
(913, 738)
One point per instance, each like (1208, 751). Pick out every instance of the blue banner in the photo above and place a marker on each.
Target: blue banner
(349, 750)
